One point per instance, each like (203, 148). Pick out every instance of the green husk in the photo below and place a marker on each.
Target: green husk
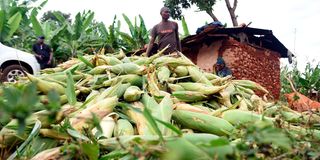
(123, 128)
(203, 122)
(189, 96)
(133, 93)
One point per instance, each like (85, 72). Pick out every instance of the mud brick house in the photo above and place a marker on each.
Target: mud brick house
(250, 53)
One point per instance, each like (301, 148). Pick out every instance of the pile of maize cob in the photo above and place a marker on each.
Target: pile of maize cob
(159, 101)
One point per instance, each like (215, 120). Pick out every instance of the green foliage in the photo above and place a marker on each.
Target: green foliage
(176, 6)
(304, 81)
(19, 102)
(139, 36)
(55, 16)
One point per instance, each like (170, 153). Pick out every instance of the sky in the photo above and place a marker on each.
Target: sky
(294, 22)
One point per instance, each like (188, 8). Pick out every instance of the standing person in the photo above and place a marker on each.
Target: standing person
(167, 33)
(43, 53)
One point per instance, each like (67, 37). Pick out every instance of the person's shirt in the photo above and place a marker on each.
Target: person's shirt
(42, 49)
(225, 71)
(166, 33)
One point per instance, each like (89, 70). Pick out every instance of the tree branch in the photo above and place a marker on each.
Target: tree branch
(232, 11)
(235, 4)
(212, 15)
(228, 4)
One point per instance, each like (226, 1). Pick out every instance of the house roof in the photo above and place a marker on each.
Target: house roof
(258, 37)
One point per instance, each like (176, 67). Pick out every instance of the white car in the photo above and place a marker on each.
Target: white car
(13, 61)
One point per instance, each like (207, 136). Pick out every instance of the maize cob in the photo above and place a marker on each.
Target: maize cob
(99, 70)
(220, 80)
(116, 90)
(198, 76)
(55, 134)
(153, 87)
(61, 77)
(211, 76)
(107, 125)
(181, 71)
(127, 68)
(162, 111)
(126, 60)
(129, 78)
(189, 96)
(203, 122)
(49, 154)
(163, 74)
(100, 109)
(133, 93)
(203, 88)
(171, 62)
(141, 61)
(45, 86)
(9, 133)
(250, 84)
(140, 121)
(123, 127)
(188, 107)
(175, 87)
(236, 116)
(226, 93)
(114, 143)
(109, 60)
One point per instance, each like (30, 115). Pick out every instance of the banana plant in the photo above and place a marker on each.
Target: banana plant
(139, 35)
(8, 25)
(78, 33)
(15, 22)
(185, 27)
(110, 35)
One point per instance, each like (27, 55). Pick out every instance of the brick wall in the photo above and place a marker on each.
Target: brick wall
(245, 61)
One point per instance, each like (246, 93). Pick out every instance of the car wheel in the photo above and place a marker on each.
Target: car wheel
(12, 72)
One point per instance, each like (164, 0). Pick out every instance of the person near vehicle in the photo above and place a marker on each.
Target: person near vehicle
(221, 69)
(166, 33)
(43, 53)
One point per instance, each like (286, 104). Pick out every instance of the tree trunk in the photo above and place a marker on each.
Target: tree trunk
(232, 11)
(212, 15)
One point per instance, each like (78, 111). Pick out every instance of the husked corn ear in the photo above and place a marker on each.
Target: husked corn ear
(203, 122)
(133, 93)
(197, 75)
(123, 128)
(189, 96)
